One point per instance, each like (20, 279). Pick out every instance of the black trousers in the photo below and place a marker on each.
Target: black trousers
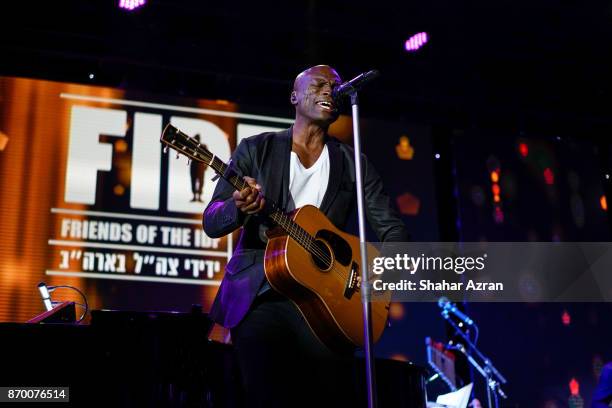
(283, 364)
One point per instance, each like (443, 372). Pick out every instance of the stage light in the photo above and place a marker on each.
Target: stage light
(575, 400)
(408, 204)
(566, 318)
(44, 294)
(396, 311)
(131, 4)
(603, 202)
(495, 188)
(523, 149)
(403, 149)
(549, 176)
(498, 215)
(437, 156)
(91, 76)
(416, 41)
(574, 387)
(494, 174)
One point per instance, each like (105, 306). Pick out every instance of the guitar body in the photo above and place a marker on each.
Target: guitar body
(322, 291)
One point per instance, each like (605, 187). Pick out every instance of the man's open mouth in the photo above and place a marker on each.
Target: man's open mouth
(326, 105)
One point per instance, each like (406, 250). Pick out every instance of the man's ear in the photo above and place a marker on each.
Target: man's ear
(293, 98)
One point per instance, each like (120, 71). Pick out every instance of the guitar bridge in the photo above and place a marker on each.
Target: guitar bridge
(351, 281)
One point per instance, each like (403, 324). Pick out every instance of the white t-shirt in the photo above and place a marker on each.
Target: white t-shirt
(308, 185)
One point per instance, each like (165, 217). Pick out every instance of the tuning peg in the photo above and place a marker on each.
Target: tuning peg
(165, 149)
(177, 156)
(188, 162)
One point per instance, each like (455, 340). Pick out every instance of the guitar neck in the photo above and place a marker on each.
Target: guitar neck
(221, 169)
(192, 148)
(293, 229)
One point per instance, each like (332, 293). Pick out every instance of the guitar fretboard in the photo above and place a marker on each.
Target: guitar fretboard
(192, 148)
(280, 218)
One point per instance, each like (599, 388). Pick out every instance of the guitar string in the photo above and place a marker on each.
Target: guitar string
(298, 234)
(294, 230)
(302, 237)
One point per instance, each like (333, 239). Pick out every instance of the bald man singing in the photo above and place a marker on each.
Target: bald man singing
(283, 364)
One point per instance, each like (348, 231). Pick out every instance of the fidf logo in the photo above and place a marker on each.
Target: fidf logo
(186, 192)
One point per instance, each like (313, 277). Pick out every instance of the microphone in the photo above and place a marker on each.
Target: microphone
(354, 84)
(448, 307)
(44, 293)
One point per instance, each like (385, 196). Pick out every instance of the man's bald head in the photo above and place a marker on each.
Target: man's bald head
(316, 70)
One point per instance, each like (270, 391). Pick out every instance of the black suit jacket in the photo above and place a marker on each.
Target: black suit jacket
(266, 158)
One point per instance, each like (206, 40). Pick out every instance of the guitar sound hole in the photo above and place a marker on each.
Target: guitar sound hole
(322, 255)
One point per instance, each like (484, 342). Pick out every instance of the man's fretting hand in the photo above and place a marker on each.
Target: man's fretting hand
(249, 200)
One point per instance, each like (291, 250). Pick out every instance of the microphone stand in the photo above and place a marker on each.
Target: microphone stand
(365, 281)
(485, 368)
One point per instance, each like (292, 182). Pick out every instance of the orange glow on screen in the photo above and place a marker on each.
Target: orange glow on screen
(32, 183)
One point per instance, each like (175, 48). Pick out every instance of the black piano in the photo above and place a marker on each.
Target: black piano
(154, 359)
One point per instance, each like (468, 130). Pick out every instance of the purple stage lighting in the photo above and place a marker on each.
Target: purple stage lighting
(415, 42)
(131, 4)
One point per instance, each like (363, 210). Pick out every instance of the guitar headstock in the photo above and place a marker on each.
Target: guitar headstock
(189, 146)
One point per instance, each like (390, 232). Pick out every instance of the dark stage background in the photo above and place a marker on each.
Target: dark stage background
(498, 129)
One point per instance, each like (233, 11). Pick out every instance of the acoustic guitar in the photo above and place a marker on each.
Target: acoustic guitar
(307, 259)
